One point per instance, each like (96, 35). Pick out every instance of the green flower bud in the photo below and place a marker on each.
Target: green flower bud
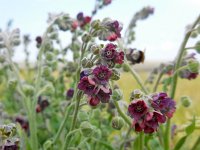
(28, 90)
(194, 34)
(7, 131)
(49, 88)
(115, 75)
(50, 56)
(96, 114)
(86, 63)
(197, 47)
(86, 129)
(198, 29)
(54, 35)
(48, 145)
(83, 116)
(186, 101)
(95, 49)
(76, 55)
(117, 95)
(46, 71)
(86, 38)
(95, 24)
(193, 66)
(12, 83)
(136, 94)
(117, 123)
(2, 59)
(97, 133)
(125, 68)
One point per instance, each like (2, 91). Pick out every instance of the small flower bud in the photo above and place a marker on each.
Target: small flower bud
(87, 63)
(86, 38)
(197, 47)
(76, 55)
(83, 116)
(95, 24)
(186, 101)
(117, 123)
(48, 145)
(97, 133)
(95, 49)
(115, 75)
(2, 59)
(117, 95)
(136, 94)
(12, 83)
(50, 56)
(86, 129)
(194, 34)
(49, 88)
(193, 66)
(46, 71)
(125, 68)
(28, 90)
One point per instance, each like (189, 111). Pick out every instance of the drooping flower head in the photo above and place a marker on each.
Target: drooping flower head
(161, 102)
(70, 93)
(87, 85)
(102, 74)
(104, 96)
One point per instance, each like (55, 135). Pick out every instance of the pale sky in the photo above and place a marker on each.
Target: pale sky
(161, 34)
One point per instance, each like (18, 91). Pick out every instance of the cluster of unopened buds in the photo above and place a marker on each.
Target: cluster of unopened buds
(7, 139)
(192, 70)
(94, 81)
(148, 111)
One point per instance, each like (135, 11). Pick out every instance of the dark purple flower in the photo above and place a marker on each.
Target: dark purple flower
(112, 37)
(161, 102)
(87, 85)
(186, 74)
(93, 101)
(38, 39)
(137, 109)
(80, 16)
(148, 129)
(10, 145)
(154, 120)
(103, 96)
(24, 123)
(70, 93)
(119, 59)
(85, 73)
(116, 28)
(109, 52)
(102, 74)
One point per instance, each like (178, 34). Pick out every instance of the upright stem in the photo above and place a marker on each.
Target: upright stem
(141, 136)
(126, 119)
(137, 78)
(175, 80)
(157, 81)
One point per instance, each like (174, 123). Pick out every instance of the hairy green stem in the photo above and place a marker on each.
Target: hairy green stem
(137, 77)
(175, 80)
(157, 81)
(141, 136)
(126, 119)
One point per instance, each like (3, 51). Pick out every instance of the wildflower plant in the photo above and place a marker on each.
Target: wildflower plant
(62, 104)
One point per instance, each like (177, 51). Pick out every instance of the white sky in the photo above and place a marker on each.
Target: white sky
(161, 34)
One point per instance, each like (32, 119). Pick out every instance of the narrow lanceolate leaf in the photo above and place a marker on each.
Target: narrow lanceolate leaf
(189, 129)
(180, 143)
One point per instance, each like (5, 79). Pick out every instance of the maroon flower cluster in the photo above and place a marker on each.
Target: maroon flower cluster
(95, 84)
(82, 20)
(111, 56)
(147, 116)
(113, 30)
(23, 123)
(69, 93)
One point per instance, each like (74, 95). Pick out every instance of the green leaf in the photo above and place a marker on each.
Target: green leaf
(180, 143)
(189, 129)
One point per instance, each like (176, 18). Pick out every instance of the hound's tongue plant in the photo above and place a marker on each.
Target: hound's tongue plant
(61, 104)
